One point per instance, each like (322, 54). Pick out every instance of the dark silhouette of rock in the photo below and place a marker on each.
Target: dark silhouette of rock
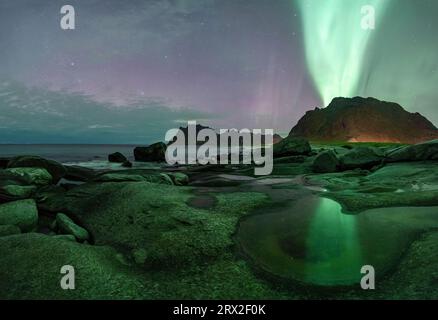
(275, 138)
(154, 153)
(117, 157)
(325, 162)
(4, 162)
(56, 169)
(198, 128)
(292, 146)
(127, 164)
(364, 120)
(419, 152)
(361, 157)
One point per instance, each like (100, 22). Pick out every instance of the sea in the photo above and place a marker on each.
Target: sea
(93, 156)
(86, 155)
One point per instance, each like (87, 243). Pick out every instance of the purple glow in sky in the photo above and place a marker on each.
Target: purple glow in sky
(225, 63)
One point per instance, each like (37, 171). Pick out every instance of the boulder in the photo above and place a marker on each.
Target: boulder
(56, 169)
(154, 153)
(8, 230)
(35, 176)
(291, 147)
(117, 157)
(325, 162)
(14, 186)
(127, 164)
(16, 192)
(66, 225)
(21, 213)
(7, 178)
(418, 152)
(361, 157)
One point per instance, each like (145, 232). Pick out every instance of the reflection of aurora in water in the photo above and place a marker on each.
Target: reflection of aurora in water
(333, 248)
(310, 240)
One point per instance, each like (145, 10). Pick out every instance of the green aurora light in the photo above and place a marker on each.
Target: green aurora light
(335, 43)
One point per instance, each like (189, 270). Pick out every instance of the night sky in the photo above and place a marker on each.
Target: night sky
(133, 69)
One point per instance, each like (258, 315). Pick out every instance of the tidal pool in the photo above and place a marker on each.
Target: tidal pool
(313, 242)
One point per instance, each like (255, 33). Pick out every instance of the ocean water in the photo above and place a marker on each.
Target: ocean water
(86, 155)
(89, 155)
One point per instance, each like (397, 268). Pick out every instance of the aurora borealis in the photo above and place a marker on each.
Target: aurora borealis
(335, 43)
(224, 63)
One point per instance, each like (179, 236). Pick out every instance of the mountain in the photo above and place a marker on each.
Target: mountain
(364, 120)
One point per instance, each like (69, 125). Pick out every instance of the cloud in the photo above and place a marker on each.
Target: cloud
(40, 116)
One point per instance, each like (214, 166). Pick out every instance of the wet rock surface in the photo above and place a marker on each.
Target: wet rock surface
(222, 232)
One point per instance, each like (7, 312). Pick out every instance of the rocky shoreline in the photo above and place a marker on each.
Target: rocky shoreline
(173, 232)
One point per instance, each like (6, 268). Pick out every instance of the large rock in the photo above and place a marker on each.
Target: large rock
(7, 177)
(325, 162)
(361, 157)
(14, 186)
(66, 225)
(364, 120)
(419, 152)
(22, 213)
(291, 146)
(117, 157)
(154, 153)
(14, 192)
(56, 169)
(35, 176)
